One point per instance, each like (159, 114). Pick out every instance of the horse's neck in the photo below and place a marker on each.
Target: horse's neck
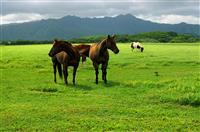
(70, 51)
(102, 46)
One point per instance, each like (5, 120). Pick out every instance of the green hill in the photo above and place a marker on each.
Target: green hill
(74, 27)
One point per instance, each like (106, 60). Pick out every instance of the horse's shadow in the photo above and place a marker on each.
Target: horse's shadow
(82, 87)
(77, 86)
(111, 84)
(88, 88)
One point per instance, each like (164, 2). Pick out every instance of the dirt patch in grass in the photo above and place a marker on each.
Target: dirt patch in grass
(51, 90)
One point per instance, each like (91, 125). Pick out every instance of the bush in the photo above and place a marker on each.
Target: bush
(158, 36)
(184, 38)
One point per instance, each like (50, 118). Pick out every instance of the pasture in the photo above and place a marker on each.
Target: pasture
(156, 90)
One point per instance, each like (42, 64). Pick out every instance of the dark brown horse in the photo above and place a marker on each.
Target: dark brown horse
(83, 50)
(64, 53)
(99, 55)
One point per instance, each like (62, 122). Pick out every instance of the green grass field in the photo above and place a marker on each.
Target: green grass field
(135, 98)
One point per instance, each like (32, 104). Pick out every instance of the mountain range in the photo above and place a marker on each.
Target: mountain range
(73, 27)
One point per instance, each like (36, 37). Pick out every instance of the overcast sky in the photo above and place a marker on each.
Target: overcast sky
(162, 11)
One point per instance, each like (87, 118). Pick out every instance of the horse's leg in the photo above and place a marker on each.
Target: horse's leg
(65, 72)
(54, 70)
(104, 72)
(96, 66)
(74, 73)
(59, 67)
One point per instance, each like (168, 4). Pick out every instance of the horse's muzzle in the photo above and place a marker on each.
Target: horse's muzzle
(50, 55)
(116, 51)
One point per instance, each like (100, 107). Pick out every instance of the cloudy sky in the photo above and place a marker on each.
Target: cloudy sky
(162, 11)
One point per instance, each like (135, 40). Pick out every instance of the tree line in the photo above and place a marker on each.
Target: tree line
(155, 37)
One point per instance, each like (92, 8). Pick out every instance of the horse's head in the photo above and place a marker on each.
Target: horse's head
(58, 46)
(111, 44)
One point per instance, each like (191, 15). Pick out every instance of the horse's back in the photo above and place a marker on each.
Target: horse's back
(81, 46)
(136, 44)
(83, 49)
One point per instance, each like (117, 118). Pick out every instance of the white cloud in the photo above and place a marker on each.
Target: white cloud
(20, 18)
(171, 19)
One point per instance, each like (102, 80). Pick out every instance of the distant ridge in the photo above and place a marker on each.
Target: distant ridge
(74, 27)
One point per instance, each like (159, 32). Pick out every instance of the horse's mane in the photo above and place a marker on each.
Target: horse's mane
(68, 43)
(100, 42)
(102, 47)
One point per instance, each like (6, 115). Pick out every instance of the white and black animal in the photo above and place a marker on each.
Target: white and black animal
(137, 45)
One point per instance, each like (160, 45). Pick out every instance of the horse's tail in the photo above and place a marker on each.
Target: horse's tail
(59, 67)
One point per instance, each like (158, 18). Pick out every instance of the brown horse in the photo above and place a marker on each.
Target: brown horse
(83, 50)
(64, 53)
(99, 55)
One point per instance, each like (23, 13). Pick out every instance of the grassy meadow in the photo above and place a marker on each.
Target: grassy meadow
(157, 90)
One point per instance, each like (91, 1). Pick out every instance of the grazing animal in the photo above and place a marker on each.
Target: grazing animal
(64, 53)
(99, 55)
(137, 45)
(83, 51)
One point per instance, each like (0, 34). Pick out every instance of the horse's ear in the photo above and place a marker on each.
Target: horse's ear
(108, 36)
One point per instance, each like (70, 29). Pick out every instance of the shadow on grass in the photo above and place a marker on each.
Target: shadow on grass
(81, 87)
(90, 85)
(111, 83)
(76, 86)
